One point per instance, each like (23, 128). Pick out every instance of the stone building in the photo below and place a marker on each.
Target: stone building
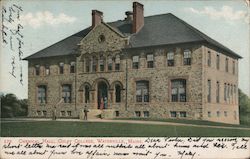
(157, 66)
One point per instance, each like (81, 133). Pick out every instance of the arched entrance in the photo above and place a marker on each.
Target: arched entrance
(102, 95)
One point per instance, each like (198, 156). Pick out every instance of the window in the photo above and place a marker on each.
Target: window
(44, 113)
(146, 114)
(218, 61)
(142, 91)
(187, 57)
(117, 93)
(37, 70)
(178, 90)
(209, 91)
(61, 66)
(68, 113)
(226, 65)
(209, 59)
(41, 95)
(137, 114)
(135, 62)
(173, 114)
(225, 92)
(117, 114)
(94, 64)
(183, 114)
(225, 113)
(218, 113)
(87, 65)
(63, 113)
(170, 58)
(233, 67)
(101, 63)
(86, 91)
(47, 70)
(117, 63)
(150, 61)
(209, 114)
(72, 67)
(66, 93)
(110, 63)
(217, 92)
(228, 91)
(39, 113)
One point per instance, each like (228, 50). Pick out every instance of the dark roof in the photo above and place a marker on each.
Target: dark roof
(161, 29)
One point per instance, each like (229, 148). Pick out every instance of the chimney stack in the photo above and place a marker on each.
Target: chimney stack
(138, 17)
(96, 18)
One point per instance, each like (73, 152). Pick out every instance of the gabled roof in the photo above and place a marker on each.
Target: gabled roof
(161, 29)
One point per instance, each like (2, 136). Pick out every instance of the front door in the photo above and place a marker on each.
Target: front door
(102, 95)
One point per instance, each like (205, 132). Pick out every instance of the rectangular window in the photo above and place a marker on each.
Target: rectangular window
(142, 91)
(39, 113)
(44, 113)
(47, 70)
(178, 90)
(146, 114)
(72, 67)
(135, 62)
(209, 114)
(218, 61)
(225, 113)
(187, 57)
(217, 92)
(117, 114)
(87, 65)
(209, 91)
(101, 63)
(69, 113)
(37, 70)
(137, 114)
(94, 64)
(173, 114)
(110, 63)
(209, 59)
(226, 65)
(63, 113)
(225, 92)
(150, 61)
(41, 94)
(233, 67)
(61, 67)
(117, 63)
(218, 113)
(183, 114)
(66, 93)
(170, 58)
(228, 91)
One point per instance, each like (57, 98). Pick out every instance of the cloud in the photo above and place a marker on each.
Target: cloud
(225, 12)
(38, 19)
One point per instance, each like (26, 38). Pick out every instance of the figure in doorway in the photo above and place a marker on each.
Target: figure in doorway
(85, 110)
(54, 110)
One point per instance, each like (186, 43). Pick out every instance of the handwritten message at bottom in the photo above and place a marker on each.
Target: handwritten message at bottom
(126, 148)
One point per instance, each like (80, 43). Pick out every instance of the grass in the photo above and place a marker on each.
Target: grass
(193, 122)
(96, 129)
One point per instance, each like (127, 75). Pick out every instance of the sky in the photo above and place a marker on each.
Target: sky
(47, 22)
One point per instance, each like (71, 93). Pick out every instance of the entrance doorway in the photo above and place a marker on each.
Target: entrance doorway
(102, 95)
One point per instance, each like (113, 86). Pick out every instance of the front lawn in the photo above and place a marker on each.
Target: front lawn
(100, 129)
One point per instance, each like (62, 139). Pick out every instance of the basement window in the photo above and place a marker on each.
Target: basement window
(183, 114)
(173, 114)
(137, 114)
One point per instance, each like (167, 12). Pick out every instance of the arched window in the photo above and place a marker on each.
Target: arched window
(178, 90)
(117, 93)
(87, 64)
(94, 64)
(86, 90)
(117, 62)
(142, 91)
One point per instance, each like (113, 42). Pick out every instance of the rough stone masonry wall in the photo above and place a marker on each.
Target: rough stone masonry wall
(231, 106)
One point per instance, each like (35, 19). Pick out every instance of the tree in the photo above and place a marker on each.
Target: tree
(244, 103)
(11, 106)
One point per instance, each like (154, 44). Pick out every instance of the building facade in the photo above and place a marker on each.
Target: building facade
(136, 68)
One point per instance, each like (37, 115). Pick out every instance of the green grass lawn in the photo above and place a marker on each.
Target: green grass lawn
(90, 129)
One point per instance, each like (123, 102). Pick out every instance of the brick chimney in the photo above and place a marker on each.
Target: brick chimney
(96, 18)
(138, 17)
